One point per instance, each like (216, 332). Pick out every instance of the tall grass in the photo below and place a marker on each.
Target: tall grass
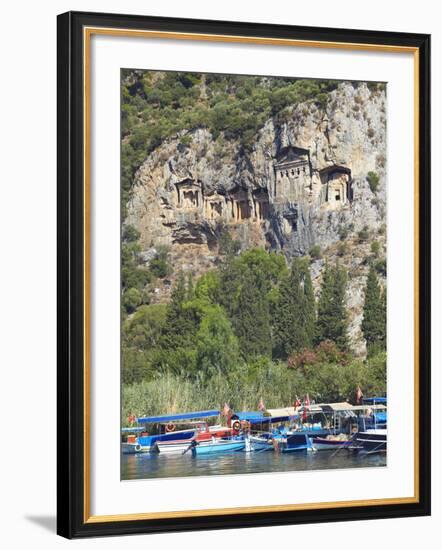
(274, 382)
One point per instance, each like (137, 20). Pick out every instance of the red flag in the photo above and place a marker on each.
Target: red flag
(261, 405)
(359, 395)
(226, 410)
(298, 403)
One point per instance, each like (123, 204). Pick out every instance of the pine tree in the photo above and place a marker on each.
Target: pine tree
(309, 310)
(332, 319)
(251, 321)
(217, 345)
(374, 314)
(180, 328)
(294, 319)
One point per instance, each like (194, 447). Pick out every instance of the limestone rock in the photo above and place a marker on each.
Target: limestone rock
(303, 184)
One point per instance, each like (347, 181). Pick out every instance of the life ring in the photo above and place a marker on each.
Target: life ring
(170, 427)
(236, 426)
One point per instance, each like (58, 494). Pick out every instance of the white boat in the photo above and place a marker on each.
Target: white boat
(331, 442)
(173, 447)
(259, 443)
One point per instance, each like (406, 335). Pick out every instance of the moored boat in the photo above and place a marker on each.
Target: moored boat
(173, 447)
(262, 442)
(164, 429)
(294, 443)
(331, 442)
(371, 441)
(217, 446)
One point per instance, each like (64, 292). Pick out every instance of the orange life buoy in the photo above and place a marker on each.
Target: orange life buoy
(170, 427)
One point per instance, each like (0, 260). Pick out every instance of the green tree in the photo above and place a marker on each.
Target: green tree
(131, 299)
(294, 312)
(252, 319)
(374, 315)
(160, 266)
(217, 345)
(332, 316)
(207, 287)
(308, 311)
(245, 286)
(226, 244)
(181, 324)
(190, 287)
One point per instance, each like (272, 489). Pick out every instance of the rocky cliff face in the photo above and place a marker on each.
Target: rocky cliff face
(303, 184)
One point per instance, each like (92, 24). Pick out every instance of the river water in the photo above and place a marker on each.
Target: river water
(149, 466)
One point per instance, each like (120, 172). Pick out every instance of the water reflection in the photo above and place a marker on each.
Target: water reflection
(147, 466)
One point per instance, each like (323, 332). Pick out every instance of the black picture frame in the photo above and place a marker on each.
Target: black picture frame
(72, 394)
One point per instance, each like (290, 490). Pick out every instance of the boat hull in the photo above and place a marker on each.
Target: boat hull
(148, 442)
(172, 447)
(132, 448)
(217, 447)
(260, 444)
(371, 441)
(295, 443)
(323, 444)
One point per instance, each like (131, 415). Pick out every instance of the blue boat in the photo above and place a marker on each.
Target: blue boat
(217, 446)
(166, 430)
(295, 443)
(261, 442)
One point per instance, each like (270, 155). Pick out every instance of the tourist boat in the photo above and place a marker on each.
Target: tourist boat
(203, 432)
(217, 446)
(165, 430)
(173, 447)
(261, 442)
(371, 441)
(146, 443)
(294, 443)
(331, 442)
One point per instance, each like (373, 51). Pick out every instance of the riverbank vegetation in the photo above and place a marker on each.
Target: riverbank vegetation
(251, 328)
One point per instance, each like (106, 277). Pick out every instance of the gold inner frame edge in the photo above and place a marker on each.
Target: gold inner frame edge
(87, 34)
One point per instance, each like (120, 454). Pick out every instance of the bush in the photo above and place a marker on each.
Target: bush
(343, 232)
(373, 181)
(227, 245)
(131, 299)
(342, 249)
(381, 267)
(363, 234)
(375, 248)
(315, 252)
(160, 266)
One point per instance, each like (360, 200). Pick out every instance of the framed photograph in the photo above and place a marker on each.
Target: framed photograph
(243, 274)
